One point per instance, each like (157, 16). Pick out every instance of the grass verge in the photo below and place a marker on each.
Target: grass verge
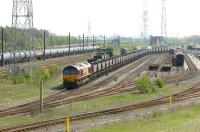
(86, 106)
(27, 87)
(186, 119)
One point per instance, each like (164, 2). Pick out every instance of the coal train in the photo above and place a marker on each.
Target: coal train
(179, 57)
(76, 75)
(23, 56)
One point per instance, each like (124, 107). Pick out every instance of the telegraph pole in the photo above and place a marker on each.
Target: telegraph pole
(104, 41)
(87, 40)
(44, 52)
(41, 95)
(69, 43)
(83, 42)
(2, 52)
(79, 39)
(93, 41)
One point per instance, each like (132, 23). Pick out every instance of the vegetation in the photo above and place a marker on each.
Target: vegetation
(144, 85)
(159, 82)
(95, 104)
(22, 38)
(25, 86)
(33, 77)
(185, 119)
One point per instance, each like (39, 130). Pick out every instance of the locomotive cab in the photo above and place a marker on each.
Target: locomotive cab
(76, 75)
(70, 76)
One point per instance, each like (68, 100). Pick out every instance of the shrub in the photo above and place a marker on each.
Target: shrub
(18, 78)
(53, 69)
(46, 74)
(34, 76)
(144, 85)
(28, 75)
(159, 83)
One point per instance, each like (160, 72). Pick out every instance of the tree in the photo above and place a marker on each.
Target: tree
(144, 85)
(159, 82)
(22, 38)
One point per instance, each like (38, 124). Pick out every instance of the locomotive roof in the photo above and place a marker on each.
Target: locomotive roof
(81, 66)
(179, 51)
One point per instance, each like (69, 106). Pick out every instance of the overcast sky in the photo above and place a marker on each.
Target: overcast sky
(109, 17)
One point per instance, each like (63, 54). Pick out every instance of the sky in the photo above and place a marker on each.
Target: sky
(109, 17)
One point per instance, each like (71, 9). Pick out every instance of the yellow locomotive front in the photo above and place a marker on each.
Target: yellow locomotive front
(76, 75)
(70, 77)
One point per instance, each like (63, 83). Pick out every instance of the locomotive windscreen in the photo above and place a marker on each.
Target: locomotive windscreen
(70, 71)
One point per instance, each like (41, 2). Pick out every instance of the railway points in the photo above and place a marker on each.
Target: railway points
(186, 94)
(69, 81)
(66, 95)
(158, 56)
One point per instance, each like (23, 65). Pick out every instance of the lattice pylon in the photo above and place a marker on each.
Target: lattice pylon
(22, 19)
(164, 20)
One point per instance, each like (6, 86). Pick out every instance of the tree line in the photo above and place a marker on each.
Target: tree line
(20, 39)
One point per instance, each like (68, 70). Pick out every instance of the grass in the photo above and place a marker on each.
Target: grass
(25, 88)
(19, 93)
(186, 119)
(12, 94)
(86, 106)
(20, 88)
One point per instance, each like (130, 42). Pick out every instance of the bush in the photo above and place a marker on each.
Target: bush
(144, 85)
(28, 75)
(53, 70)
(32, 77)
(159, 83)
(46, 74)
(18, 79)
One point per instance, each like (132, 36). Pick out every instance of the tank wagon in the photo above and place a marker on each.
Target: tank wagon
(23, 56)
(179, 57)
(76, 75)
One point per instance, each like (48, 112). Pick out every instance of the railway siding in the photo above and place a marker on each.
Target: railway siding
(186, 94)
(194, 60)
(17, 109)
(190, 63)
(43, 64)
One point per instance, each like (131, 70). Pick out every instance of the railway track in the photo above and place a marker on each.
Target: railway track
(180, 77)
(44, 64)
(75, 94)
(191, 65)
(102, 92)
(82, 94)
(63, 98)
(125, 87)
(190, 93)
(160, 62)
(131, 86)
